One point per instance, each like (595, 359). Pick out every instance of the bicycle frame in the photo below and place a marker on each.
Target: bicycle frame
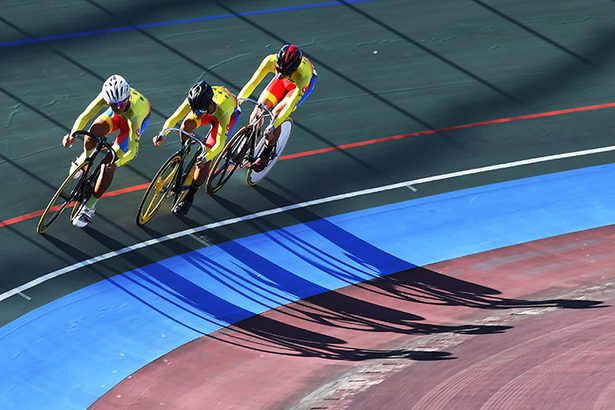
(178, 187)
(256, 131)
(86, 185)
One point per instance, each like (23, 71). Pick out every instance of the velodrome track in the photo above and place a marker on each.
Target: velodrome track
(439, 233)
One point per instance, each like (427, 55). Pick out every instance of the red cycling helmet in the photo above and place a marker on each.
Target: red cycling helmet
(289, 58)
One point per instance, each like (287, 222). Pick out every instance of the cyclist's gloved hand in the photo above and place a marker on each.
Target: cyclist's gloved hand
(158, 140)
(68, 140)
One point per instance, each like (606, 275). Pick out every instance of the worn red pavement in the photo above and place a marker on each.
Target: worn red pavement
(526, 326)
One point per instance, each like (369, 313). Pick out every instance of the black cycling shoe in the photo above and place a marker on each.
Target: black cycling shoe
(182, 208)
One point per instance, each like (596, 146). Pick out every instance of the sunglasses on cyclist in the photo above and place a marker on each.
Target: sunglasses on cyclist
(120, 105)
(199, 111)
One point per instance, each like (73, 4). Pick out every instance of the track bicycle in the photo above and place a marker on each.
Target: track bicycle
(173, 179)
(79, 185)
(243, 148)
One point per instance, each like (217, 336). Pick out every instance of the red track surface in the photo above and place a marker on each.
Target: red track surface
(529, 326)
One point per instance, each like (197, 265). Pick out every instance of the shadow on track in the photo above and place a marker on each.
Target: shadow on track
(159, 283)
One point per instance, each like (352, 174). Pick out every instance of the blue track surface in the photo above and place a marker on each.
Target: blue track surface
(73, 350)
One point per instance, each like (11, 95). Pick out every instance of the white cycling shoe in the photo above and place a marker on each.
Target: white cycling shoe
(84, 217)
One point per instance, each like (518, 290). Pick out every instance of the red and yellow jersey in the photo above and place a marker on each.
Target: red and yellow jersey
(222, 120)
(302, 79)
(130, 124)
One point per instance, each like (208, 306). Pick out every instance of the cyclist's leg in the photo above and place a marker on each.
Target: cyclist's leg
(126, 146)
(191, 123)
(202, 169)
(199, 175)
(101, 127)
(271, 95)
(107, 171)
(276, 112)
(105, 124)
(284, 102)
(282, 93)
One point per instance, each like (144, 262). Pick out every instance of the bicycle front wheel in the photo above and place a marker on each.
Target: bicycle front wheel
(159, 189)
(63, 198)
(231, 158)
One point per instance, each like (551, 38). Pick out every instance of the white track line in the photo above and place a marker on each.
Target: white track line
(306, 204)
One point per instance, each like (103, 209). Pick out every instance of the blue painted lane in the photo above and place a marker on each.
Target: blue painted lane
(71, 351)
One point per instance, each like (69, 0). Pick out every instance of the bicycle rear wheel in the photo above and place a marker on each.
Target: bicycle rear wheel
(254, 177)
(159, 189)
(64, 197)
(231, 157)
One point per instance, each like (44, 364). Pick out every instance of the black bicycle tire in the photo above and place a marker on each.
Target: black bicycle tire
(43, 226)
(221, 163)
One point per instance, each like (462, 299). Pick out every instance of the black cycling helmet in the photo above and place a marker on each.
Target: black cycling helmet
(200, 96)
(289, 58)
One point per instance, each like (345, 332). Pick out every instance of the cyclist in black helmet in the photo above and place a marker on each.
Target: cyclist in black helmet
(204, 104)
(293, 81)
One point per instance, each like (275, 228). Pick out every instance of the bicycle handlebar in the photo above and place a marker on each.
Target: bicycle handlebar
(193, 137)
(262, 107)
(101, 141)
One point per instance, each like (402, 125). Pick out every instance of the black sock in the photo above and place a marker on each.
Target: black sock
(194, 187)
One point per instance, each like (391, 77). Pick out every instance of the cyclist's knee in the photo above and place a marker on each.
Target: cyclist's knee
(100, 129)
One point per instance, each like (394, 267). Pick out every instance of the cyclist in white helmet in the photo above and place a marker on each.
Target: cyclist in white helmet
(127, 112)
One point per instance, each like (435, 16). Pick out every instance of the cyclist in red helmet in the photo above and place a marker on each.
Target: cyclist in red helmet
(293, 81)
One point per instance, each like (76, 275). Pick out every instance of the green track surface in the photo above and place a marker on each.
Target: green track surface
(386, 67)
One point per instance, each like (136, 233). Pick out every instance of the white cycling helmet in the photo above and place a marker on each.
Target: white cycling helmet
(115, 89)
